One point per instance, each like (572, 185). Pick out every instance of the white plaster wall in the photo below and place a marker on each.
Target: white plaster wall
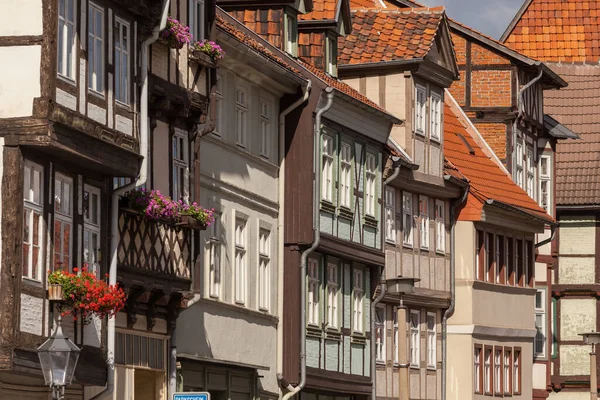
(574, 360)
(577, 235)
(31, 314)
(580, 270)
(539, 376)
(565, 395)
(21, 17)
(19, 81)
(160, 156)
(577, 315)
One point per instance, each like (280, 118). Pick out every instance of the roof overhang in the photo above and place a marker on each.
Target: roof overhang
(521, 212)
(558, 130)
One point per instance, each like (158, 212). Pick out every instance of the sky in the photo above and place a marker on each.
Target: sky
(487, 16)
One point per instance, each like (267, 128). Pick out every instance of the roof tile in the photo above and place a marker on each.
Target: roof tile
(322, 10)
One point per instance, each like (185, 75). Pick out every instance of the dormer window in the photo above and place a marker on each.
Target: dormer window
(196, 19)
(290, 28)
(331, 56)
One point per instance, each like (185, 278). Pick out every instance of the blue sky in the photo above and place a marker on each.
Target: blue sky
(487, 16)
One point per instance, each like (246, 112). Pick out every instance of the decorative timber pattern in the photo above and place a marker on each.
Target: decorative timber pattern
(154, 246)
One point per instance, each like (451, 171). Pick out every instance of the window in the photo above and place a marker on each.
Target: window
(196, 19)
(435, 116)
(313, 293)
(264, 269)
(240, 261)
(530, 263)
(487, 371)
(500, 260)
(431, 341)
(241, 107)
(219, 100)
(553, 327)
(66, 38)
(415, 339)
(407, 218)
(63, 221)
(395, 320)
(358, 303)
(291, 34)
(327, 172)
(390, 214)
(519, 274)
(345, 175)
(95, 48)
(180, 165)
(121, 61)
(477, 370)
(440, 227)
(420, 109)
(332, 295)
(380, 334)
(498, 386)
(507, 367)
(519, 164)
(540, 324)
(480, 255)
(510, 260)
(265, 128)
(545, 182)
(91, 229)
(491, 262)
(370, 185)
(33, 222)
(331, 54)
(424, 217)
(530, 174)
(214, 261)
(517, 371)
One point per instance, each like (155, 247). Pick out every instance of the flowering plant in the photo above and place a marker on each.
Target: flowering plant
(85, 295)
(156, 206)
(176, 34)
(214, 51)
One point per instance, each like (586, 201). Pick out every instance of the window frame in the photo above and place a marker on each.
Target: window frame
(380, 334)
(63, 42)
(415, 333)
(219, 103)
(346, 185)
(264, 269)
(530, 163)
(507, 356)
(480, 264)
(242, 110)
(490, 257)
(440, 227)
(390, 214)
(498, 371)
(196, 16)
(424, 225)
(214, 253)
(266, 127)
(420, 110)
(93, 37)
(488, 372)
(541, 312)
(431, 348)
(358, 301)
(65, 218)
(517, 371)
(547, 179)
(290, 26)
(31, 205)
(313, 281)
(478, 369)
(179, 140)
(519, 168)
(331, 55)
(91, 228)
(395, 327)
(408, 219)
(435, 116)
(370, 185)
(241, 270)
(327, 167)
(333, 302)
(123, 87)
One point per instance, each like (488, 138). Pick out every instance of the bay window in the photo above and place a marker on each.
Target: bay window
(345, 175)
(327, 168)
(63, 221)
(33, 221)
(66, 38)
(95, 48)
(91, 229)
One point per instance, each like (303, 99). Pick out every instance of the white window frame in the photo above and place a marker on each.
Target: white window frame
(122, 67)
(371, 185)
(540, 324)
(440, 226)
(358, 301)
(516, 371)
(264, 269)
(64, 217)
(435, 116)
(333, 289)
(415, 338)
(91, 229)
(345, 180)
(487, 370)
(545, 179)
(519, 163)
(424, 219)
(241, 268)
(218, 131)
(214, 258)
(33, 202)
(331, 56)
(242, 98)
(314, 293)
(196, 19)
(498, 359)
(507, 370)
(431, 341)
(266, 127)
(407, 219)
(420, 108)
(66, 59)
(390, 214)
(291, 34)
(530, 173)
(328, 157)
(380, 333)
(180, 165)
(95, 50)
(395, 326)
(477, 354)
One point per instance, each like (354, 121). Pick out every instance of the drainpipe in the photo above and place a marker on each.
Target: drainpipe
(394, 175)
(141, 180)
(382, 290)
(280, 234)
(315, 244)
(448, 313)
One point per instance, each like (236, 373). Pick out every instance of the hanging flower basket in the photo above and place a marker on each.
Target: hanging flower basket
(175, 34)
(202, 59)
(207, 52)
(189, 221)
(55, 292)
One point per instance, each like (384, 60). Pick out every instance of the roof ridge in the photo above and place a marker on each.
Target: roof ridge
(407, 10)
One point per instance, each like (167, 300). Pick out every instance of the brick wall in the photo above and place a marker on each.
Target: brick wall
(490, 88)
(481, 56)
(460, 45)
(495, 136)
(458, 90)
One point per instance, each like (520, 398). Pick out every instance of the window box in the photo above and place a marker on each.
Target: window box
(187, 221)
(55, 292)
(202, 59)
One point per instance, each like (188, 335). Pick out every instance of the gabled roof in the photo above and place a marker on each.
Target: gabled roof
(469, 156)
(558, 130)
(388, 35)
(557, 30)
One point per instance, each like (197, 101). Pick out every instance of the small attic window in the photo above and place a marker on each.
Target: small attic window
(467, 145)
(290, 33)
(331, 55)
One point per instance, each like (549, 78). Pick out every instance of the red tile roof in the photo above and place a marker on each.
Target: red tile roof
(323, 10)
(385, 35)
(557, 30)
(469, 156)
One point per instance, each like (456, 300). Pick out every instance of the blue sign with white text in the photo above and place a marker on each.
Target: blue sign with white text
(192, 396)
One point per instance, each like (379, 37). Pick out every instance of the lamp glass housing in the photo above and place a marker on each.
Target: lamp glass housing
(58, 358)
(591, 337)
(401, 285)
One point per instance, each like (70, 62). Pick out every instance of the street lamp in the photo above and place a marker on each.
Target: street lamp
(58, 358)
(401, 286)
(592, 338)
